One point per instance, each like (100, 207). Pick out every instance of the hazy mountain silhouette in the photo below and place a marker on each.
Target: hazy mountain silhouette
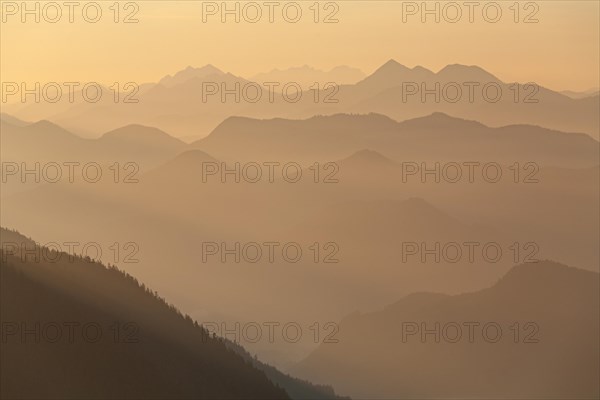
(258, 200)
(367, 224)
(370, 192)
(99, 96)
(372, 360)
(580, 95)
(39, 141)
(366, 212)
(164, 355)
(189, 73)
(149, 142)
(391, 72)
(176, 103)
(383, 92)
(14, 121)
(46, 141)
(135, 148)
(436, 137)
(520, 210)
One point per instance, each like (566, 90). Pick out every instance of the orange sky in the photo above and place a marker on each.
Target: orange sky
(560, 51)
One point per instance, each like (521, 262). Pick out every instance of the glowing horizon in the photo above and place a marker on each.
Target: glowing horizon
(560, 51)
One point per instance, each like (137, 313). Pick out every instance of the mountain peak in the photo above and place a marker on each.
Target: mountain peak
(393, 73)
(552, 273)
(210, 67)
(441, 120)
(190, 73)
(392, 65)
(44, 124)
(440, 115)
(46, 128)
(142, 135)
(6, 118)
(461, 72)
(133, 130)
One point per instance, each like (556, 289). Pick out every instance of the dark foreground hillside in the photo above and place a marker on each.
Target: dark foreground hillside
(73, 328)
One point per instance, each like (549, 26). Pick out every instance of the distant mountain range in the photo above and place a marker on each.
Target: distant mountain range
(44, 141)
(436, 137)
(367, 213)
(182, 104)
